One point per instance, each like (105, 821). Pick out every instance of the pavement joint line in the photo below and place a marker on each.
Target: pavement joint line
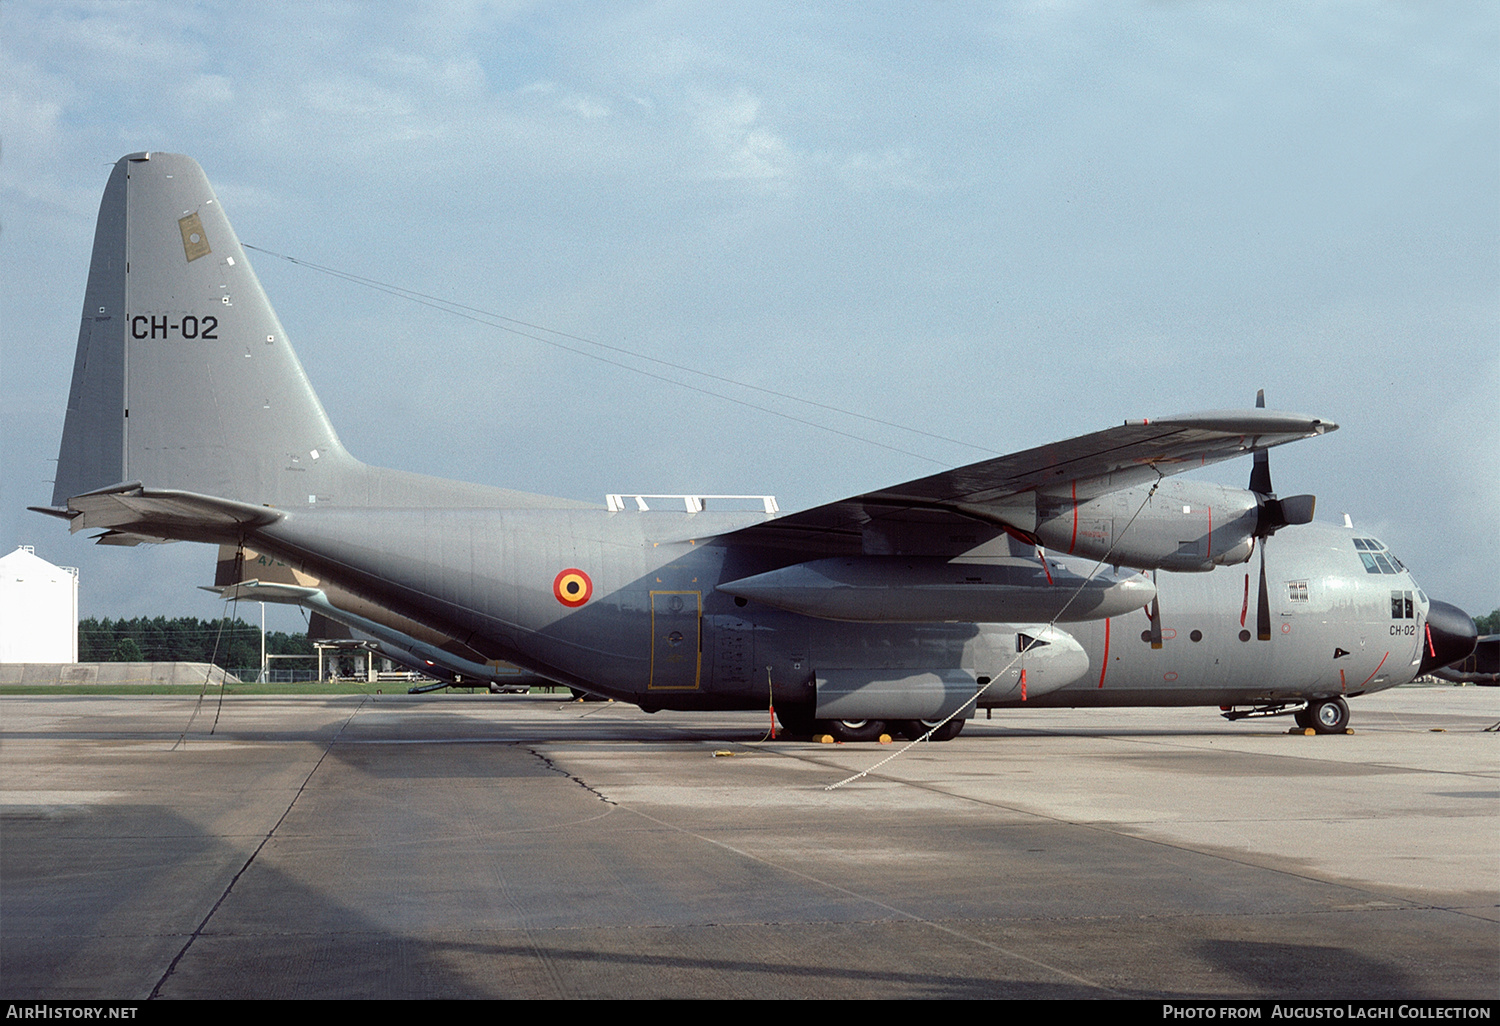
(547, 762)
(198, 931)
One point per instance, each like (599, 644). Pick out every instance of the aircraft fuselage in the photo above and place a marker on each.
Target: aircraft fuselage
(648, 624)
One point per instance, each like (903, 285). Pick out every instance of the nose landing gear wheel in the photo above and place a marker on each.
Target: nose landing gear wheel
(1328, 716)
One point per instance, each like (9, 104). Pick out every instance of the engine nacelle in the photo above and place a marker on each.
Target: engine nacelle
(1184, 525)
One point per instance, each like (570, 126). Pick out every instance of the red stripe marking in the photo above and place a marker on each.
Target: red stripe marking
(1428, 628)
(1043, 558)
(1025, 536)
(1245, 605)
(1105, 667)
(1023, 683)
(1210, 533)
(1074, 540)
(1376, 670)
(1342, 686)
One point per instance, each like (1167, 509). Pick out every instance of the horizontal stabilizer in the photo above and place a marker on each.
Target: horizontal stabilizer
(162, 513)
(266, 591)
(130, 539)
(61, 514)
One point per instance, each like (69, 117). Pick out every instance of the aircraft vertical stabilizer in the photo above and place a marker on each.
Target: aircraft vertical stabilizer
(184, 377)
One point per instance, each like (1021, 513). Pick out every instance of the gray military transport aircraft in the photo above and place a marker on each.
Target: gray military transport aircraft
(1075, 574)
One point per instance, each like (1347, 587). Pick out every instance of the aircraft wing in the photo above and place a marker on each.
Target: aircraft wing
(1085, 467)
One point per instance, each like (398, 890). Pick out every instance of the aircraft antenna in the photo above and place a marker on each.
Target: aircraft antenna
(208, 673)
(503, 323)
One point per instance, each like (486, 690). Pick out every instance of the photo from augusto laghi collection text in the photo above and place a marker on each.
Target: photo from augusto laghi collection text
(1327, 1010)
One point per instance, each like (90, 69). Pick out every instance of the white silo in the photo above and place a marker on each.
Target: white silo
(38, 609)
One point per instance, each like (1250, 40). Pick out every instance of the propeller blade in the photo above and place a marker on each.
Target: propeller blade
(1297, 509)
(1263, 603)
(1260, 473)
(1274, 513)
(1155, 615)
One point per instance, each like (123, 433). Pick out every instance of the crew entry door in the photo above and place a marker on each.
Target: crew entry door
(676, 640)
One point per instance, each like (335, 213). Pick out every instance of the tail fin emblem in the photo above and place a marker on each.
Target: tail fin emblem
(194, 242)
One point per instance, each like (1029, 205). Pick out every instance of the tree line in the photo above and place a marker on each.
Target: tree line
(228, 644)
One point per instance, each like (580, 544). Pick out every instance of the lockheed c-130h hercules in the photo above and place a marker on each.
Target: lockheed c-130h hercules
(1075, 574)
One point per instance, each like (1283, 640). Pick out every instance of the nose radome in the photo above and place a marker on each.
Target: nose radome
(1451, 636)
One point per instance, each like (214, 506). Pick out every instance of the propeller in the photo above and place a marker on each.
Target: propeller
(1272, 514)
(1154, 612)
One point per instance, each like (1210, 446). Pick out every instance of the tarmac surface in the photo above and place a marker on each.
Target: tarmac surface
(498, 847)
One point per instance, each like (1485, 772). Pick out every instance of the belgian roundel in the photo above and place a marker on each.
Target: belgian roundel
(572, 587)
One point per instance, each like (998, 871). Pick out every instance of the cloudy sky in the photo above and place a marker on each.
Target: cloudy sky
(997, 225)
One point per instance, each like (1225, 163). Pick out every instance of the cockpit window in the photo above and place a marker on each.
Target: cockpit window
(1376, 558)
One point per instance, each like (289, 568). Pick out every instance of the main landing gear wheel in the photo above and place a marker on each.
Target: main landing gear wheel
(1328, 716)
(854, 730)
(914, 729)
